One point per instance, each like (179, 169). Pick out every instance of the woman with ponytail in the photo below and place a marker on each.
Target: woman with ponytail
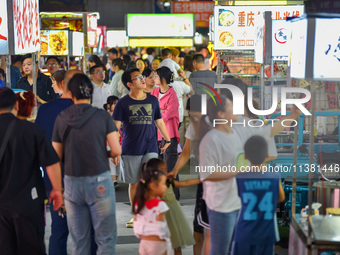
(79, 137)
(149, 213)
(168, 103)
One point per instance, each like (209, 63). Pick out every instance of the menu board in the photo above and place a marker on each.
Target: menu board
(117, 38)
(26, 26)
(235, 26)
(3, 29)
(327, 49)
(77, 44)
(54, 42)
(160, 25)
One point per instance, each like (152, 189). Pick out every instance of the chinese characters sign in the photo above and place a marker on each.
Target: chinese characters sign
(201, 9)
(235, 26)
(26, 26)
(3, 28)
(327, 49)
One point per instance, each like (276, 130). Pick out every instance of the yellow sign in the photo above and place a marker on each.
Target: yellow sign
(160, 42)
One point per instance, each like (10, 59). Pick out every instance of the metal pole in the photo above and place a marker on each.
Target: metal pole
(8, 72)
(295, 154)
(262, 86)
(34, 72)
(311, 154)
(271, 79)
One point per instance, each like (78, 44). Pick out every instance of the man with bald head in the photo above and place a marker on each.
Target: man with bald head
(46, 117)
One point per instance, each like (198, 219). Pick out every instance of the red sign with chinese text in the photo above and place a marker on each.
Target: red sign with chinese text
(201, 9)
(26, 26)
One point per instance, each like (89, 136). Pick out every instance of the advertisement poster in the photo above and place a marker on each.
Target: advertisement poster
(201, 9)
(54, 42)
(3, 29)
(26, 26)
(235, 26)
(160, 25)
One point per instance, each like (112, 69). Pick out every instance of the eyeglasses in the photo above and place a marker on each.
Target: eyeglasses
(54, 65)
(155, 76)
(141, 77)
(99, 72)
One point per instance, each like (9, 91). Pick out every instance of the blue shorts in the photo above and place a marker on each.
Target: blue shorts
(245, 249)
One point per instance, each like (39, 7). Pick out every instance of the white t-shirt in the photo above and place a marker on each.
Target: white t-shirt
(190, 133)
(272, 151)
(221, 149)
(146, 223)
(181, 89)
(122, 89)
(100, 95)
(172, 65)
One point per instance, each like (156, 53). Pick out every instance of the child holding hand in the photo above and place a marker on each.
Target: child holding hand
(149, 213)
(181, 233)
(256, 229)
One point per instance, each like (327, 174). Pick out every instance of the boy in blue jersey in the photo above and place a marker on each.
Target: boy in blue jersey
(256, 228)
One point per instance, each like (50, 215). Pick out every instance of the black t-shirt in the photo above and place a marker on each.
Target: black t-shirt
(27, 150)
(82, 129)
(44, 87)
(139, 129)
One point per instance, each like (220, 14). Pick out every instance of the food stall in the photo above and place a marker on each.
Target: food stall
(176, 30)
(235, 32)
(68, 34)
(315, 65)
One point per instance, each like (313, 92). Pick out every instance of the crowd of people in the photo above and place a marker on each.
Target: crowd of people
(140, 120)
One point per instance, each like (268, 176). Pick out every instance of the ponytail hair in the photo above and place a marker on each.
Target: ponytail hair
(165, 72)
(149, 175)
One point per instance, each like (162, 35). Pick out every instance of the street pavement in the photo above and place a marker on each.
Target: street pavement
(127, 243)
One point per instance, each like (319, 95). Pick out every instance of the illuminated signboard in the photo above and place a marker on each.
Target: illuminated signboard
(26, 26)
(315, 50)
(160, 25)
(299, 49)
(77, 44)
(3, 29)
(54, 42)
(201, 9)
(102, 36)
(327, 49)
(235, 26)
(160, 42)
(92, 31)
(117, 38)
